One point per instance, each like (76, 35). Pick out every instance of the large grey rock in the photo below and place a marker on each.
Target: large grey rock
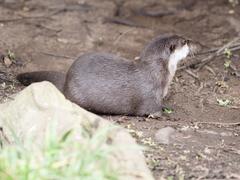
(31, 111)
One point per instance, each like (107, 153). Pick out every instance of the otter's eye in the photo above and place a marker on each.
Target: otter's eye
(172, 48)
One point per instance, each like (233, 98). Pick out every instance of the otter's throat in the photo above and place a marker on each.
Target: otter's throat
(176, 57)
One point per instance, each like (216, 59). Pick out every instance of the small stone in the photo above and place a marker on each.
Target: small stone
(207, 150)
(231, 11)
(137, 58)
(26, 9)
(226, 134)
(185, 128)
(7, 61)
(162, 136)
(62, 40)
(206, 131)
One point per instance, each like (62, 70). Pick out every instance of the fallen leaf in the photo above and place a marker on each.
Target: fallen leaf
(167, 110)
(223, 102)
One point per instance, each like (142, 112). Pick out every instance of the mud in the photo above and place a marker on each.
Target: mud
(48, 35)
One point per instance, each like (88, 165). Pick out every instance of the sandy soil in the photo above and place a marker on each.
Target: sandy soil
(49, 35)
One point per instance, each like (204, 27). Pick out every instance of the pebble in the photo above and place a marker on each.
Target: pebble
(162, 136)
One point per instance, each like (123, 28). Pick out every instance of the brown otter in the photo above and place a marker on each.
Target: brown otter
(108, 84)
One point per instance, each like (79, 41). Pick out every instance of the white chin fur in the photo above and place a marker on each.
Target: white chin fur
(177, 56)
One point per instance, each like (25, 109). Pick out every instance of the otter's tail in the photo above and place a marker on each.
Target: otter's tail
(57, 78)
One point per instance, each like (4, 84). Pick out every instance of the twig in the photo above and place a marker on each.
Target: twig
(210, 70)
(192, 74)
(87, 28)
(235, 48)
(219, 123)
(232, 149)
(58, 56)
(120, 36)
(119, 5)
(216, 49)
(228, 45)
(29, 17)
(144, 12)
(234, 107)
(20, 19)
(194, 19)
(213, 53)
(150, 11)
(218, 53)
(121, 21)
(38, 25)
(200, 88)
(11, 20)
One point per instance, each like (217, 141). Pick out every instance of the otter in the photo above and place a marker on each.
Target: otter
(108, 84)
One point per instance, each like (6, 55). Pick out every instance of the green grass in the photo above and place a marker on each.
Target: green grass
(59, 158)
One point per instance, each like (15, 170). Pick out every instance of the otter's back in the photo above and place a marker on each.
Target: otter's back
(101, 82)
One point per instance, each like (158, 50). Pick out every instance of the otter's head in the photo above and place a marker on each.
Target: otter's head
(179, 48)
(169, 47)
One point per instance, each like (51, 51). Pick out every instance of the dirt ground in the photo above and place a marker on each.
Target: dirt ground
(49, 35)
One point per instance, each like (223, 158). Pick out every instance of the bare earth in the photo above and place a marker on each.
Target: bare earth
(48, 35)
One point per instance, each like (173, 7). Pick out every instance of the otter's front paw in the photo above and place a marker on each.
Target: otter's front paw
(155, 115)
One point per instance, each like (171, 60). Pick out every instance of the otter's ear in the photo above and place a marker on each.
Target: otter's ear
(172, 48)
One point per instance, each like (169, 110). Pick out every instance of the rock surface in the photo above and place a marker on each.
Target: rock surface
(34, 108)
